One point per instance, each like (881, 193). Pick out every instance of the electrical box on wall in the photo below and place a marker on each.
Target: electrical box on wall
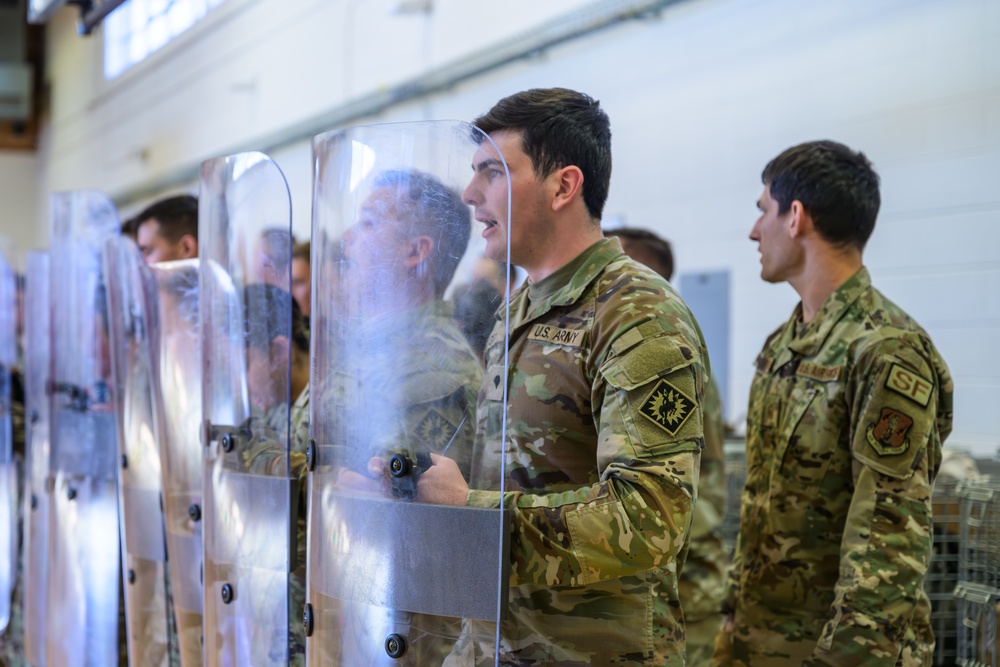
(15, 91)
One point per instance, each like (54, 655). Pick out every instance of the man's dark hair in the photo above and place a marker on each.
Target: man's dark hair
(436, 211)
(264, 317)
(130, 227)
(178, 216)
(659, 247)
(559, 128)
(838, 188)
(301, 251)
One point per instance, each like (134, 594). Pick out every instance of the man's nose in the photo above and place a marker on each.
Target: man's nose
(471, 195)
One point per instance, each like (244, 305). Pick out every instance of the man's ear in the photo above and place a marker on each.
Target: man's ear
(800, 222)
(420, 250)
(189, 246)
(568, 183)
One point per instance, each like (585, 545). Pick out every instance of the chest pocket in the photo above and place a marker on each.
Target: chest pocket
(807, 438)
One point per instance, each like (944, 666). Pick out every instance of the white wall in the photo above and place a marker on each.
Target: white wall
(700, 99)
(19, 219)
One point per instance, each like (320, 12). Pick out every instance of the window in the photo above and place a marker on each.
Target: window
(140, 27)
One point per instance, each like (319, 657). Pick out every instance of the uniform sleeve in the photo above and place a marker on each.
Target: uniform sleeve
(637, 516)
(886, 547)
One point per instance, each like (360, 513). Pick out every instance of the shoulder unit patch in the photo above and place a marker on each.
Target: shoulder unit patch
(888, 436)
(667, 407)
(435, 431)
(915, 387)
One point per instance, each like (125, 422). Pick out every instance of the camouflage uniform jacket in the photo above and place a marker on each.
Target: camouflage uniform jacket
(703, 583)
(844, 430)
(607, 368)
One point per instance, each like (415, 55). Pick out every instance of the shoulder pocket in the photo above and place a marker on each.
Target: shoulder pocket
(654, 357)
(657, 396)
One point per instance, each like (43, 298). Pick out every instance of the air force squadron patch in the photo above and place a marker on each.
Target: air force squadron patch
(888, 436)
(667, 407)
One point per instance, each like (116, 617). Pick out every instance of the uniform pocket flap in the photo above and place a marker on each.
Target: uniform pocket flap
(655, 357)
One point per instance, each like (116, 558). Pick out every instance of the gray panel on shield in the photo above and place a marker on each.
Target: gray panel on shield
(392, 542)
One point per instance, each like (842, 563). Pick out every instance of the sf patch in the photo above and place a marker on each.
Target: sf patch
(435, 431)
(888, 436)
(915, 387)
(667, 407)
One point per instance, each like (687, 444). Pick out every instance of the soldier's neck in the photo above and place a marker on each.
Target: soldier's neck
(824, 270)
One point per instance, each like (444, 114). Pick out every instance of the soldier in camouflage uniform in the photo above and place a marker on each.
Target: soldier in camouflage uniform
(703, 580)
(849, 406)
(265, 453)
(604, 394)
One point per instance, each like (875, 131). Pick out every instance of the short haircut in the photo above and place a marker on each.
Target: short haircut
(265, 317)
(660, 248)
(130, 227)
(559, 128)
(837, 187)
(178, 217)
(436, 211)
(301, 251)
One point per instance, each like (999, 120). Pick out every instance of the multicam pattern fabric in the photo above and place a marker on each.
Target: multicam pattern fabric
(844, 431)
(604, 434)
(265, 455)
(703, 583)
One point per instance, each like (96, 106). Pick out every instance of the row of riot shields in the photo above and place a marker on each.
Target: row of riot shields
(263, 475)
(8, 462)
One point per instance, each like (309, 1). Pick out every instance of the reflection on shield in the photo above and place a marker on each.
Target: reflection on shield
(36, 405)
(131, 286)
(393, 580)
(176, 382)
(250, 485)
(83, 572)
(9, 533)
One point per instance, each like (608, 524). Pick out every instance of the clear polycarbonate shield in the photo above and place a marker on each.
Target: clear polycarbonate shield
(176, 385)
(83, 530)
(248, 350)
(9, 533)
(37, 351)
(130, 286)
(396, 577)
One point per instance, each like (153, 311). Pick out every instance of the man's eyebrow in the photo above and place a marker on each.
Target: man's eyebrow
(485, 164)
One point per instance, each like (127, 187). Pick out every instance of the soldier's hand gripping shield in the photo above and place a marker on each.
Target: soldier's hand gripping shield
(9, 533)
(37, 354)
(83, 530)
(176, 390)
(393, 577)
(256, 365)
(130, 286)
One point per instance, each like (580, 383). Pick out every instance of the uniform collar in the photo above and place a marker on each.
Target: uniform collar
(834, 308)
(566, 284)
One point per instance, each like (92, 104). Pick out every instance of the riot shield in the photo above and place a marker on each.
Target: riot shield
(130, 286)
(83, 530)
(37, 345)
(176, 384)
(393, 579)
(9, 532)
(248, 347)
